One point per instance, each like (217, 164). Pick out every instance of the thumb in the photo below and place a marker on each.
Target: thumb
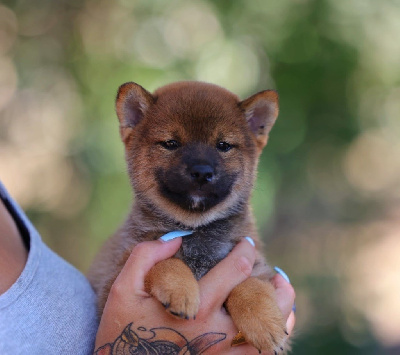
(142, 258)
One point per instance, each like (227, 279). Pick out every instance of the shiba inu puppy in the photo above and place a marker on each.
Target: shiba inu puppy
(192, 150)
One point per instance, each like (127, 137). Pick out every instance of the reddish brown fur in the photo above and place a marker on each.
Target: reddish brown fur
(203, 114)
(174, 285)
(256, 297)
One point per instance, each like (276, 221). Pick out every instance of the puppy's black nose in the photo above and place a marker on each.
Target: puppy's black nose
(202, 173)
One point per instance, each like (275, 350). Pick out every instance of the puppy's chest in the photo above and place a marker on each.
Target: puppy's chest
(202, 253)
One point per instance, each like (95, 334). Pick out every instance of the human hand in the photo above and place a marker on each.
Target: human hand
(285, 297)
(133, 320)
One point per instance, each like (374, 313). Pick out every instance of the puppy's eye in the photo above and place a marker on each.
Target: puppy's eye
(223, 146)
(171, 144)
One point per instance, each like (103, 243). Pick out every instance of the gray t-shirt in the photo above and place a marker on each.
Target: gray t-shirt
(51, 308)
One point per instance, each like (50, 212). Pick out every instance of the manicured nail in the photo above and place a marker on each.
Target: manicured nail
(282, 273)
(174, 234)
(251, 241)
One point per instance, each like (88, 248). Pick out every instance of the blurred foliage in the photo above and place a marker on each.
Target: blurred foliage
(327, 196)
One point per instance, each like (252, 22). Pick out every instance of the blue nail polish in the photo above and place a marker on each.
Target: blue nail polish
(250, 240)
(282, 273)
(174, 234)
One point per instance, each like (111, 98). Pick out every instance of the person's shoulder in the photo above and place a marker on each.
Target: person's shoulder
(51, 303)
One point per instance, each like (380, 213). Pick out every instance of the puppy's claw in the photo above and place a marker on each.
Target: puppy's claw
(174, 313)
(179, 315)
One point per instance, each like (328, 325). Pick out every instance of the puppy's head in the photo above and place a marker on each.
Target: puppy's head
(192, 148)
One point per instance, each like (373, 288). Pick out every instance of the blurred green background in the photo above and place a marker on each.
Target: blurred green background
(327, 198)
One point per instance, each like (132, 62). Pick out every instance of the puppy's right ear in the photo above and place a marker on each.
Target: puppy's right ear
(132, 103)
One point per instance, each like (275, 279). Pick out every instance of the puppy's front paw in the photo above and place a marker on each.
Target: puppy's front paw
(255, 313)
(173, 284)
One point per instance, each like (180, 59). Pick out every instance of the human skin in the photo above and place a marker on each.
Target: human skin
(128, 302)
(13, 254)
(131, 316)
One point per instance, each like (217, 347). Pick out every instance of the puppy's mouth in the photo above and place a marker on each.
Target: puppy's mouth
(198, 200)
(195, 200)
(193, 196)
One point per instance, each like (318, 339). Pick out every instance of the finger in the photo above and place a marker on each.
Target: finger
(217, 284)
(285, 295)
(290, 322)
(143, 257)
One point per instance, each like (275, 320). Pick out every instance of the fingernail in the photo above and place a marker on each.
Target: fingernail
(174, 234)
(250, 240)
(282, 273)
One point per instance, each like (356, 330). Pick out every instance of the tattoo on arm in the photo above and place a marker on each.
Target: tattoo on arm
(158, 341)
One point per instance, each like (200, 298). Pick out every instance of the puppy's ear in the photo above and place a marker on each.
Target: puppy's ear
(132, 103)
(261, 111)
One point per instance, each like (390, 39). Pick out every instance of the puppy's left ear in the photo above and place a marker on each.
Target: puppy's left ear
(261, 111)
